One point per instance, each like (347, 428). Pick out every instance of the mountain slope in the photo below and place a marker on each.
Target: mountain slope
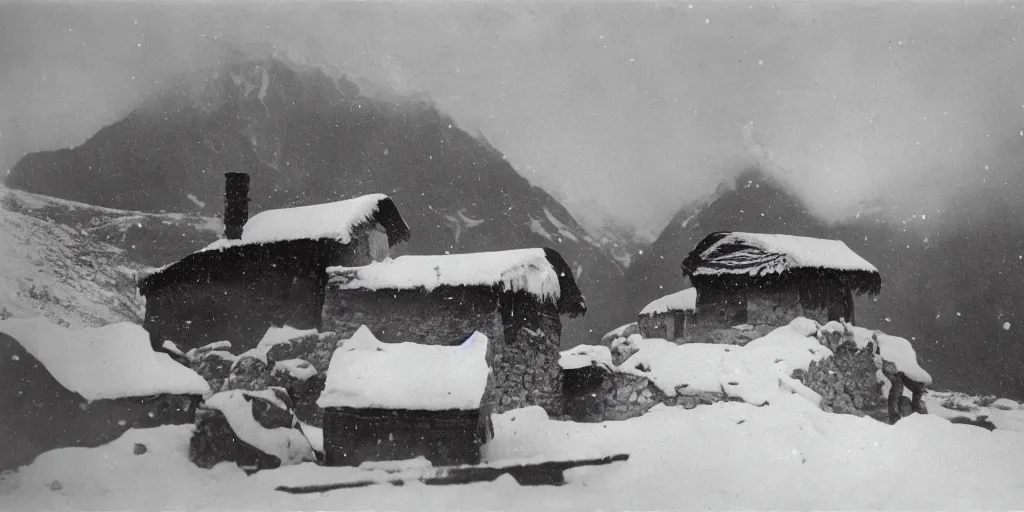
(308, 138)
(77, 264)
(951, 287)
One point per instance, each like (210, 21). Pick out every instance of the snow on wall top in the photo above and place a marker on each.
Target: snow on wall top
(526, 270)
(109, 362)
(754, 372)
(314, 222)
(582, 356)
(900, 352)
(367, 373)
(685, 300)
(760, 254)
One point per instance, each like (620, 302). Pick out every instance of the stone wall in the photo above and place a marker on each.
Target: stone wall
(780, 306)
(440, 318)
(847, 381)
(593, 394)
(670, 325)
(524, 357)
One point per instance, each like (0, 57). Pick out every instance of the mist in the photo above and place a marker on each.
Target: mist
(625, 112)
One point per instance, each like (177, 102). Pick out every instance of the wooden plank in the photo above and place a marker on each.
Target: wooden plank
(542, 473)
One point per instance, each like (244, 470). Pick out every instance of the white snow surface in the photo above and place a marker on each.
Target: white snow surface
(1005, 414)
(287, 444)
(526, 270)
(754, 373)
(900, 352)
(314, 222)
(109, 362)
(684, 300)
(276, 335)
(796, 252)
(367, 373)
(315, 436)
(582, 356)
(788, 455)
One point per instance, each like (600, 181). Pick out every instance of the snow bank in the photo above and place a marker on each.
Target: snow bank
(1003, 413)
(287, 444)
(754, 372)
(582, 356)
(314, 222)
(766, 254)
(685, 300)
(525, 270)
(109, 362)
(365, 373)
(276, 335)
(901, 353)
(785, 456)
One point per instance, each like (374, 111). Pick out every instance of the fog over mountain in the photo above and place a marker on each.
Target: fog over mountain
(621, 111)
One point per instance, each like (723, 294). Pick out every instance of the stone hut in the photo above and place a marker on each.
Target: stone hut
(766, 281)
(399, 401)
(515, 298)
(270, 270)
(666, 317)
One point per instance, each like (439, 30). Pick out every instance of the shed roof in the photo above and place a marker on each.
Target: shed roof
(271, 230)
(684, 300)
(757, 255)
(367, 373)
(539, 272)
(334, 221)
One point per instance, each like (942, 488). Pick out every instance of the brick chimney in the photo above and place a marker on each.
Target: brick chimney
(236, 203)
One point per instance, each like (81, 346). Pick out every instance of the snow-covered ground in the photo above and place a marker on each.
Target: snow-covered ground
(728, 456)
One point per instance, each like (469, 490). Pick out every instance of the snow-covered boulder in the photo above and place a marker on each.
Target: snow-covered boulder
(66, 387)
(251, 371)
(314, 347)
(254, 429)
(214, 366)
(623, 331)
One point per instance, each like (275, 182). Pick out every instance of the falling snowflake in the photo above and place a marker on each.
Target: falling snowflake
(1006, 326)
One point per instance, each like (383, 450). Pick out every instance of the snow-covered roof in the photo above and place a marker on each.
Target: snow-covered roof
(540, 272)
(685, 300)
(109, 362)
(330, 221)
(759, 255)
(367, 373)
(334, 221)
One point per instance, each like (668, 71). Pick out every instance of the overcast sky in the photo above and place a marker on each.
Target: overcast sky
(621, 110)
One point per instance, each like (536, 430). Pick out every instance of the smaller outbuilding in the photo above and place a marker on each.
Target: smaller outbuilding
(767, 280)
(666, 317)
(400, 401)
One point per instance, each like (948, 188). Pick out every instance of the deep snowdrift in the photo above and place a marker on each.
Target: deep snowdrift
(729, 456)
